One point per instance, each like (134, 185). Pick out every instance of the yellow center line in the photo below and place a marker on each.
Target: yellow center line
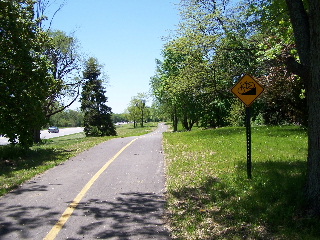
(68, 212)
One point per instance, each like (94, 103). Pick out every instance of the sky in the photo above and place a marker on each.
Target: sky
(126, 36)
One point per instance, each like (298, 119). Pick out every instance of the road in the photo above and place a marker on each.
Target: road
(46, 135)
(114, 190)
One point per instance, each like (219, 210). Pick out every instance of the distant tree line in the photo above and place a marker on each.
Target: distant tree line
(67, 118)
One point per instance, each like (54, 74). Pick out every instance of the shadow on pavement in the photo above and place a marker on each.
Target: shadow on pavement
(133, 215)
(18, 220)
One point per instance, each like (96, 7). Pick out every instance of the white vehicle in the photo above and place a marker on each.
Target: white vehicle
(53, 129)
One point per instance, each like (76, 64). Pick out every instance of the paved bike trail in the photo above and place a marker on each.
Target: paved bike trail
(114, 190)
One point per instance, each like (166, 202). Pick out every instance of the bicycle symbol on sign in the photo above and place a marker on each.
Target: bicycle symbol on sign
(247, 88)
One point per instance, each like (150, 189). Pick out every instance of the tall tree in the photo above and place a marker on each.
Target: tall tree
(62, 52)
(24, 78)
(97, 115)
(305, 18)
(65, 58)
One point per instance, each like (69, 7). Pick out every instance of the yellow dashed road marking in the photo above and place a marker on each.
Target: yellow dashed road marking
(68, 212)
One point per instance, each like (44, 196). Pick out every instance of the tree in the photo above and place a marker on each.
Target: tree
(24, 80)
(61, 50)
(201, 63)
(272, 33)
(137, 109)
(133, 114)
(97, 115)
(161, 89)
(141, 100)
(305, 18)
(63, 54)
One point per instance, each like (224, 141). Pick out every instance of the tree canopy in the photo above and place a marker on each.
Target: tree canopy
(63, 53)
(216, 43)
(137, 110)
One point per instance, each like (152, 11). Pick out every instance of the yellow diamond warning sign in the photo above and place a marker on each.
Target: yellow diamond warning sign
(247, 90)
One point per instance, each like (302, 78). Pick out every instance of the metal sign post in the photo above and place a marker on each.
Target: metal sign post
(248, 134)
(248, 90)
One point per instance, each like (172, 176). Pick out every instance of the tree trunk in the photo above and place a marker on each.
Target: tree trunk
(191, 123)
(142, 118)
(185, 122)
(313, 98)
(301, 25)
(36, 136)
(175, 120)
(306, 29)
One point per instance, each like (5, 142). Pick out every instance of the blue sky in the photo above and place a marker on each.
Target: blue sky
(124, 35)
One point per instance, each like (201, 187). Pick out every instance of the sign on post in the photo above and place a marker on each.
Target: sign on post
(248, 90)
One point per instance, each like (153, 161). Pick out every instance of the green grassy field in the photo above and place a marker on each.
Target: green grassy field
(18, 165)
(210, 197)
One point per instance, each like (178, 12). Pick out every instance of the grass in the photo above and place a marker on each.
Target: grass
(18, 165)
(210, 197)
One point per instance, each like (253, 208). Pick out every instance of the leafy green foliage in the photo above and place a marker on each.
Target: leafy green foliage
(216, 43)
(137, 110)
(67, 118)
(120, 117)
(24, 80)
(63, 52)
(97, 115)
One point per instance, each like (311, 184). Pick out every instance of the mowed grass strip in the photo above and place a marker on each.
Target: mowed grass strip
(18, 165)
(210, 197)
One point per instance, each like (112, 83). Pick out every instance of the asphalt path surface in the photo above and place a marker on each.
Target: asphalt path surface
(44, 134)
(114, 190)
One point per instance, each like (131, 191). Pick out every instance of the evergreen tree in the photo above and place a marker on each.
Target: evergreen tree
(97, 115)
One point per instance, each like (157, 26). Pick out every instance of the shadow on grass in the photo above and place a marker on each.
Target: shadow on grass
(14, 159)
(270, 206)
